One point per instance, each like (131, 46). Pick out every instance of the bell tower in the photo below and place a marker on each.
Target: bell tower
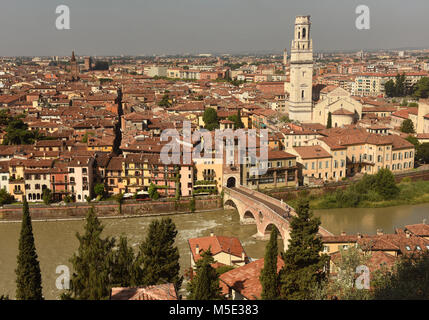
(301, 72)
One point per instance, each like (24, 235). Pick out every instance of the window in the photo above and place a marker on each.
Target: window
(84, 171)
(408, 248)
(418, 248)
(71, 170)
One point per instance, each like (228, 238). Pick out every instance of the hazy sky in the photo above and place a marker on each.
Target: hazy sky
(134, 27)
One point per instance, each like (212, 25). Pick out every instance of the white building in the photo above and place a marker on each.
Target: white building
(301, 72)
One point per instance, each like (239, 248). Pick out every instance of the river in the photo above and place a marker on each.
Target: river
(56, 241)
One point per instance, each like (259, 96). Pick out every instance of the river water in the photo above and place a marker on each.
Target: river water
(56, 241)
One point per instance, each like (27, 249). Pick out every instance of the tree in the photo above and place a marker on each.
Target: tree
(159, 256)
(355, 117)
(343, 286)
(165, 101)
(47, 196)
(408, 280)
(303, 264)
(5, 197)
(123, 265)
(210, 119)
(422, 88)
(386, 185)
(422, 153)
(29, 279)
(153, 192)
(119, 199)
(329, 123)
(400, 85)
(17, 132)
(413, 140)
(389, 88)
(192, 204)
(269, 277)
(99, 190)
(92, 263)
(205, 284)
(407, 126)
(236, 118)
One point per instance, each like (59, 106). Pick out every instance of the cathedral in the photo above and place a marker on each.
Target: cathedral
(343, 108)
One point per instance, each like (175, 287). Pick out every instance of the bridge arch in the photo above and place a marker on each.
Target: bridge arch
(231, 182)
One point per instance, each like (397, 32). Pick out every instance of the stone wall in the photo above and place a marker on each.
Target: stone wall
(109, 209)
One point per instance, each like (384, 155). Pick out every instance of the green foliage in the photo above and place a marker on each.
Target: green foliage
(17, 132)
(165, 101)
(5, 197)
(205, 284)
(28, 276)
(153, 192)
(238, 124)
(92, 263)
(101, 65)
(413, 105)
(47, 196)
(99, 190)
(373, 188)
(119, 199)
(223, 269)
(413, 140)
(285, 119)
(124, 268)
(68, 199)
(3, 297)
(422, 153)
(422, 88)
(192, 204)
(407, 126)
(409, 280)
(159, 256)
(210, 119)
(303, 264)
(397, 88)
(329, 123)
(343, 285)
(269, 277)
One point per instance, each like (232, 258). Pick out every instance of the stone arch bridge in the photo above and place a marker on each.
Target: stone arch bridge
(266, 212)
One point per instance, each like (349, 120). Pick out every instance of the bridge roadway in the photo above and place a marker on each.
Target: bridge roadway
(286, 212)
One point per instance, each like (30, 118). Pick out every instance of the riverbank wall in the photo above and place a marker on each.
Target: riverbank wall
(109, 209)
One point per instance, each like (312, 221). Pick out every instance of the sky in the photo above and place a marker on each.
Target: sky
(147, 27)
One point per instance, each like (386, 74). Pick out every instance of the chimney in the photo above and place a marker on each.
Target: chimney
(243, 256)
(359, 235)
(211, 234)
(380, 232)
(343, 233)
(407, 234)
(197, 249)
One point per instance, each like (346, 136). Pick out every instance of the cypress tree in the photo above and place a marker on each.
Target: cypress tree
(92, 263)
(269, 277)
(123, 265)
(329, 124)
(303, 268)
(205, 284)
(28, 276)
(159, 256)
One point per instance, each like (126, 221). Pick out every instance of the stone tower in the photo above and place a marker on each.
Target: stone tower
(74, 68)
(301, 72)
(285, 57)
